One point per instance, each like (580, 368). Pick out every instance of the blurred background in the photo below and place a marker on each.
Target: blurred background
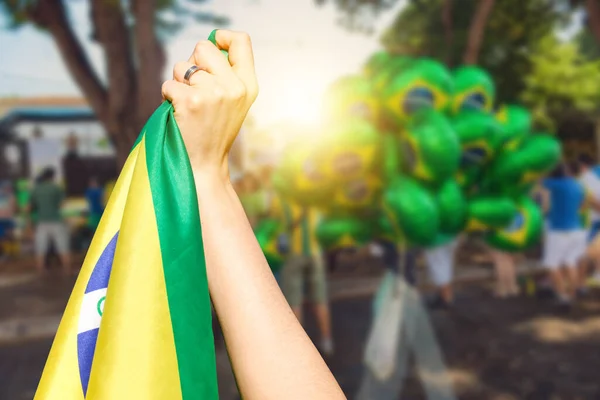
(78, 79)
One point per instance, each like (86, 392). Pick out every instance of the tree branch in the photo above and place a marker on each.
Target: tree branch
(448, 30)
(51, 15)
(112, 33)
(593, 11)
(150, 58)
(477, 30)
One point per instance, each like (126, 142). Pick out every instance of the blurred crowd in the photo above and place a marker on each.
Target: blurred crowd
(570, 248)
(34, 219)
(37, 218)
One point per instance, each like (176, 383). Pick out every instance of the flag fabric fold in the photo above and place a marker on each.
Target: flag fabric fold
(138, 324)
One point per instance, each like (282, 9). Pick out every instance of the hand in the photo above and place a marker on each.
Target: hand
(211, 109)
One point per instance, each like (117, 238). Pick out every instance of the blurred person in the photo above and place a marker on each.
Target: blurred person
(94, 197)
(440, 262)
(271, 355)
(565, 242)
(506, 273)
(75, 170)
(304, 259)
(591, 182)
(8, 208)
(46, 199)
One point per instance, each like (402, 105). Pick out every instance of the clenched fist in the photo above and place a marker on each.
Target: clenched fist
(211, 106)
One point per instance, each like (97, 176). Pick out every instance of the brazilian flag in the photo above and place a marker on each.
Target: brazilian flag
(138, 322)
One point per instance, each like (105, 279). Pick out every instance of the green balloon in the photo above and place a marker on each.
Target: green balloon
(356, 196)
(384, 227)
(391, 157)
(515, 121)
(394, 66)
(353, 149)
(413, 209)
(490, 212)
(426, 84)
(474, 89)
(480, 138)
(430, 148)
(376, 63)
(515, 171)
(267, 232)
(301, 175)
(524, 230)
(336, 232)
(452, 208)
(351, 96)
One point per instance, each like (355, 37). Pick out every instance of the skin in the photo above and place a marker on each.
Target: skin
(506, 273)
(271, 355)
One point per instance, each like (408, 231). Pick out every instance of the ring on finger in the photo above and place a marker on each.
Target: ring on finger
(188, 74)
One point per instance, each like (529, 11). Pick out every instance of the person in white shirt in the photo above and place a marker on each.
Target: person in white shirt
(591, 182)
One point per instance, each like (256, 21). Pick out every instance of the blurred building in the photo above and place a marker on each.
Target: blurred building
(61, 132)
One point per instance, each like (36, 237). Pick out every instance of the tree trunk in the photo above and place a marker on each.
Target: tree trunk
(121, 140)
(448, 30)
(150, 59)
(51, 15)
(134, 78)
(477, 30)
(114, 36)
(593, 11)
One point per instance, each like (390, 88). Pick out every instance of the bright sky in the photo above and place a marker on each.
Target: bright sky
(299, 50)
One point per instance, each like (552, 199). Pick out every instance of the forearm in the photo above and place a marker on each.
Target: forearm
(272, 356)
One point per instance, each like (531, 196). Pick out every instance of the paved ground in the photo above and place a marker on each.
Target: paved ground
(495, 349)
(512, 349)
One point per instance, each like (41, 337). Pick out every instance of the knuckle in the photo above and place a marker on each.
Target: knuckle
(237, 92)
(243, 37)
(219, 94)
(195, 101)
(180, 66)
(253, 90)
(201, 46)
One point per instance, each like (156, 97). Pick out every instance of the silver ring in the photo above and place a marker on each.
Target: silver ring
(188, 74)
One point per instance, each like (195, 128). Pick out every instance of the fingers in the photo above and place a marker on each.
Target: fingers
(182, 67)
(173, 90)
(241, 57)
(208, 57)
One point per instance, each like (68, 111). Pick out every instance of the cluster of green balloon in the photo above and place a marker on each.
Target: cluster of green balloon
(411, 152)
(422, 197)
(501, 161)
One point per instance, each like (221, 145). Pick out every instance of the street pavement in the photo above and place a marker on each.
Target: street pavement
(495, 349)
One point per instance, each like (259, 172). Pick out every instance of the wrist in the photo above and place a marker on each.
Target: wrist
(211, 172)
(209, 179)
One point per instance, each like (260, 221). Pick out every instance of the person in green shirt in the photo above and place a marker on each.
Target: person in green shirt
(46, 201)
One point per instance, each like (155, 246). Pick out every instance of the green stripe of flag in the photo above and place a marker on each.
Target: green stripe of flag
(176, 208)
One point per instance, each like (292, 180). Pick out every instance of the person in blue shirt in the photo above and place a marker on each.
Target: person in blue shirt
(566, 237)
(591, 181)
(94, 197)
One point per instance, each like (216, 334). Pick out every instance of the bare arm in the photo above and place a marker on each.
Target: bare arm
(593, 203)
(272, 356)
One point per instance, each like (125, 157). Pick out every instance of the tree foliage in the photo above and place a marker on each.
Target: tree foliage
(562, 85)
(514, 27)
(131, 34)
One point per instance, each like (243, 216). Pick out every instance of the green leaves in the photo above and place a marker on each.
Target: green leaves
(562, 82)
